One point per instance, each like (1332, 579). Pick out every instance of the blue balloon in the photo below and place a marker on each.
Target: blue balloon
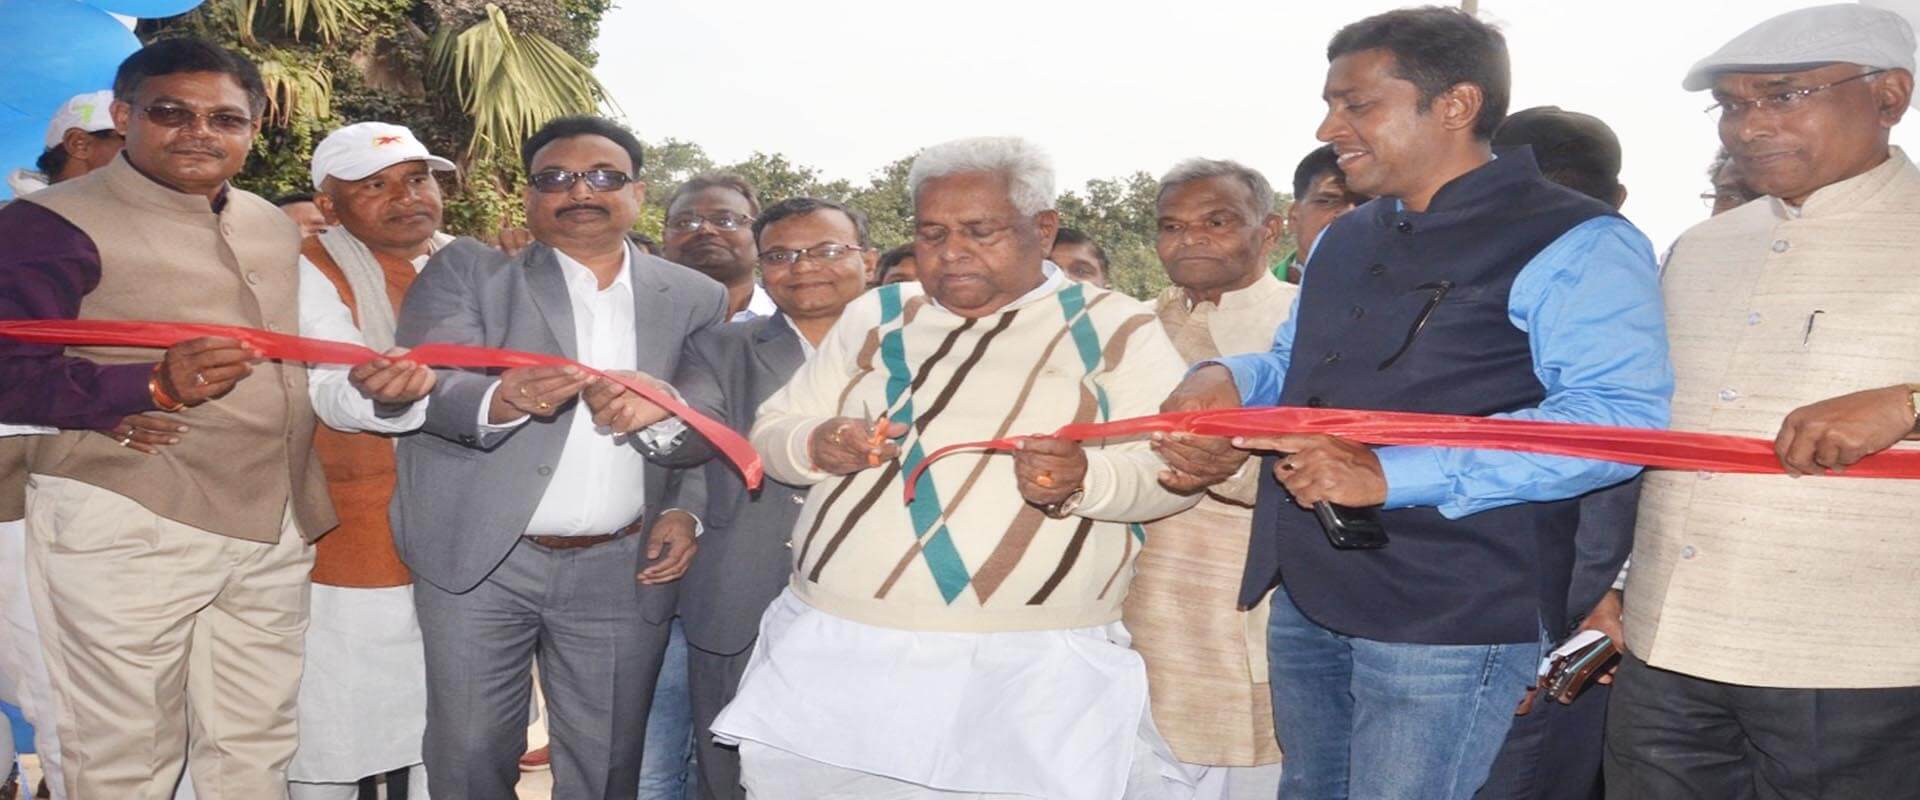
(22, 139)
(145, 9)
(55, 49)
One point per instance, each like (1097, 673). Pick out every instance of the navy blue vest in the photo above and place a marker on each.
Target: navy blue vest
(1490, 578)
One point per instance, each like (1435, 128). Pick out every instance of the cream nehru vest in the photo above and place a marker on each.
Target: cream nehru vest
(166, 256)
(1764, 580)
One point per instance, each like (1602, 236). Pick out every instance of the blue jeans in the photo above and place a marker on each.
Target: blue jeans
(1386, 721)
(666, 766)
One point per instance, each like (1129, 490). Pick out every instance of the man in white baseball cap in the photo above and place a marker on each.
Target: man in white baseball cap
(80, 139)
(1770, 621)
(362, 702)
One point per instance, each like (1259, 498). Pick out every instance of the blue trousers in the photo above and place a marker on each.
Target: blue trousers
(666, 765)
(1384, 720)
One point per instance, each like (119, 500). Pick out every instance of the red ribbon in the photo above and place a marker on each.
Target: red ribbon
(319, 351)
(1649, 448)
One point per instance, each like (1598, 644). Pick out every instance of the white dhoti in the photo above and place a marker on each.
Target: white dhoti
(877, 712)
(363, 695)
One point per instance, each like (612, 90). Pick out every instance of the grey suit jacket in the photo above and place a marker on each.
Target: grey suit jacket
(743, 561)
(1601, 544)
(464, 495)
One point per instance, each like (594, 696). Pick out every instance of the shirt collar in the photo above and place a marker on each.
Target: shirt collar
(578, 274)
(1254, 295)
(1053, 278)
(806, 347)
(218, 204)
(1852, 193)
(759, 304)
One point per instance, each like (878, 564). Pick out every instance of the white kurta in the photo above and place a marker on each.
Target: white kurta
(363, 694)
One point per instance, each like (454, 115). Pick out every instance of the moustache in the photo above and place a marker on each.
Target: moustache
(198, 150)
(580, 207)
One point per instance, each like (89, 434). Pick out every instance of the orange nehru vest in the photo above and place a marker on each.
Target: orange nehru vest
(360, 467)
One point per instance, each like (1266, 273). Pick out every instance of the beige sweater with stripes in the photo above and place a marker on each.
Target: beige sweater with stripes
(970, 554)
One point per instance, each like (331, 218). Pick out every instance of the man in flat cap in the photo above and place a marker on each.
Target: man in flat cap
(1770, 619)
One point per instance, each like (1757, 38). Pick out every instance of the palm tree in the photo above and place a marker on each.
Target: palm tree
(509, 83)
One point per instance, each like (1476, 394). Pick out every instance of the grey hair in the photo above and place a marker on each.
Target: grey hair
(1194, 169)
(1027, 168)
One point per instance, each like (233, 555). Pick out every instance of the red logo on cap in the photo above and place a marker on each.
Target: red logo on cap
(383, 141)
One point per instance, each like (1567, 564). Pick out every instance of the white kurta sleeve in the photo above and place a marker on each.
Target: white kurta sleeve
(323, 315)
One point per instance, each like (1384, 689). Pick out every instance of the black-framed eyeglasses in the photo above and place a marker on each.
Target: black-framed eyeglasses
(1779, 102)
(819, 252)
(723, 221)
(555, 181)
(225, 122)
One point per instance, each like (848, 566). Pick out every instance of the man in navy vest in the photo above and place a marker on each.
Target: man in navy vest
(1473, 286)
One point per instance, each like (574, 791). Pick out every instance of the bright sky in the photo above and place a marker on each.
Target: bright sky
(1112, 87)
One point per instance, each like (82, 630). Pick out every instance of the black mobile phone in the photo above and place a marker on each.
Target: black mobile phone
(1350, 528)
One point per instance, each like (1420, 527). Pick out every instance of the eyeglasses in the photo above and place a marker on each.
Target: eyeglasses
(819, 252)
(1781, 103)
(723, 221)
(555, 181)
(225, 122)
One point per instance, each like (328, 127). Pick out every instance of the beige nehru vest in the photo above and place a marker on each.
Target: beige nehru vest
(1764, 580)
(166, 256)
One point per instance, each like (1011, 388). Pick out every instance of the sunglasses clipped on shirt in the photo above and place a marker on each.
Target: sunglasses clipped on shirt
(555, 181)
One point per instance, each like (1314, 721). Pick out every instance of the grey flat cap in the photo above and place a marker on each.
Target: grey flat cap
(1810, 37)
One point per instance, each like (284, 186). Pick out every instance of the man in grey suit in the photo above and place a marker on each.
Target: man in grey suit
(518, 512)
(814, 259)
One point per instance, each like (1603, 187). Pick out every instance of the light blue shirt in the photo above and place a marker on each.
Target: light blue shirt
(1590, 305)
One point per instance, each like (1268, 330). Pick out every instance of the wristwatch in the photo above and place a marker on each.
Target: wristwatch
(1913, 405)
(1064, 507)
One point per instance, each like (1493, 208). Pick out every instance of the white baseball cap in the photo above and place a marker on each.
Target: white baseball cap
(364, 148)
(88, 112)
(1799, 40)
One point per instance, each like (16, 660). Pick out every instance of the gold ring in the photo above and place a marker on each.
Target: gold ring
(199, 379)
(545, 406)
(1044, 479)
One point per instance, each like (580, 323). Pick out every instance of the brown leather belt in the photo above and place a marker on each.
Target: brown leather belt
(577, 542)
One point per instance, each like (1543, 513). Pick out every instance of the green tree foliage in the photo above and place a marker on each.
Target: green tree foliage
(1119, 214)
(470, 77)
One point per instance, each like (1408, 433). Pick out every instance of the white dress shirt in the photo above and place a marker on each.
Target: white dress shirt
(806, 345)
(760, 304)
(598, 486)
(323, 315)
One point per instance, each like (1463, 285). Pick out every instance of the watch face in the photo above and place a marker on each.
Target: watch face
(1065, 507)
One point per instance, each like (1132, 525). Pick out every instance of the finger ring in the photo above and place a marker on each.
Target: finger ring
(199, 379)
(125, 440)
(1044, 479)
(1287, 466)
(545, 406)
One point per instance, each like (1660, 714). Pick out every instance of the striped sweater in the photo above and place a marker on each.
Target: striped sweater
(969, 554)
